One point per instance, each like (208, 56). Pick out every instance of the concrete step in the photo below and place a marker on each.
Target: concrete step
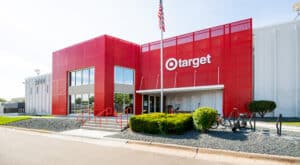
(102, 128)
(106, 122)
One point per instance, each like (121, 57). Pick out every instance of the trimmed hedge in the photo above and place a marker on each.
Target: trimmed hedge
(262, 107)
(204, 117)
(161, 123)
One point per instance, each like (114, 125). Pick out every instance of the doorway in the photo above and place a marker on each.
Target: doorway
(151, 103)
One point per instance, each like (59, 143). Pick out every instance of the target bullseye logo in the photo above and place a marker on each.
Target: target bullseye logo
(171, 64)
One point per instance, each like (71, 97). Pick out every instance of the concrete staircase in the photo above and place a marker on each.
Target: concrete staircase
(107, 124)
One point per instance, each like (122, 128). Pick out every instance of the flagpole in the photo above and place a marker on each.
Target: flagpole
(161, 60)
(161, 72)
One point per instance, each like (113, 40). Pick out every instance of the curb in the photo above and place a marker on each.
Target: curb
(277, 158)
(28, 129)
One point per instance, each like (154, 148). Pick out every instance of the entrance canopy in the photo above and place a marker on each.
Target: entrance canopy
(182, 89)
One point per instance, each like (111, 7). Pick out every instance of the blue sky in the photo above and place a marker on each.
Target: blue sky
(31, 30)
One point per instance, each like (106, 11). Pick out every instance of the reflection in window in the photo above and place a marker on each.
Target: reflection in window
(122, 102)
(72, 79)
(118, 75)
(82, 77)
(78, 102)
(81, 103)
(92, 75)
(85, 101)
(128, 76)
(85, 76)
(123, 75)
(78, 78)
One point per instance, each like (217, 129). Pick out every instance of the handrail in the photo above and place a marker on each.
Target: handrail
(118, 117)
(100, 115)
(80, 116)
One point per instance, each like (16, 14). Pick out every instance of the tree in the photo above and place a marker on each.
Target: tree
(2, 100)
(261, 107)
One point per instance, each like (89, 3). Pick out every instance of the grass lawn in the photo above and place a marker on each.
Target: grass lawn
(9, 119)
(297, 124)
(290, 123)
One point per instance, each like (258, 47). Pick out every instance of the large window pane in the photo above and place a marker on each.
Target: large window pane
(85, 77)
(118, 102)
(123, 75)
(92, 75)
(128, 76)
(118, 75)
(78, 78)
(85, 102)
(78, 103)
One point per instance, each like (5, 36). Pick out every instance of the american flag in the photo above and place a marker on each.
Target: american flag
(160, 15)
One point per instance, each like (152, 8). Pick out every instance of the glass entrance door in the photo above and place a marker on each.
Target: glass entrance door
(151, 104)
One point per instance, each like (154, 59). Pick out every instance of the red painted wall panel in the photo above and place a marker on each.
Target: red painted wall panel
(103, 53)
(83, 55)
(230, 48)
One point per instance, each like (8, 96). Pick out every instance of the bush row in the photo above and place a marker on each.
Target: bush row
(156, 123)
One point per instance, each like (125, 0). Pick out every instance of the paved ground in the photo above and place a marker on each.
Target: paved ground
(23, 147)
(88, 133)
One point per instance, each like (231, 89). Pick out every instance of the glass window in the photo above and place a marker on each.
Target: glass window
(118, 75)
(145, 104)
(92, 75)
(85, 76)
(78, 78)
(91, 102)
(72, 78)
(123, 75)
(78, 103)
(72, 105)
(85, 102)
(128, 76)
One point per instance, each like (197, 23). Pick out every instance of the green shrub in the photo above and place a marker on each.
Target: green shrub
(261, 107)
(204, 117)
(156, 123)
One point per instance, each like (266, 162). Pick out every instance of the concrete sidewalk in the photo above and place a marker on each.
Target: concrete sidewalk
(87, 133)
(272, 126)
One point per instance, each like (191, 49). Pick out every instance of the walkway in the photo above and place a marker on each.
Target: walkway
(273, 126)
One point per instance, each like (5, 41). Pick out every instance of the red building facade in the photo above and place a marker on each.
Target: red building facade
(214, 62)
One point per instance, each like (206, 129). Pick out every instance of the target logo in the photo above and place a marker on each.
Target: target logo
(171, 64)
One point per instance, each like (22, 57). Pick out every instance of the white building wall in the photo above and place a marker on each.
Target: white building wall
(189, 101)
(276, 67)
(38, 95)
(1, 108)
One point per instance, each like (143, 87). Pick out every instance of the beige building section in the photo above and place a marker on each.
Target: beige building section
(38, 95)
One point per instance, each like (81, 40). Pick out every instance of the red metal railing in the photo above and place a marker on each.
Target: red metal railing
(80, 115)
(118, 117)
